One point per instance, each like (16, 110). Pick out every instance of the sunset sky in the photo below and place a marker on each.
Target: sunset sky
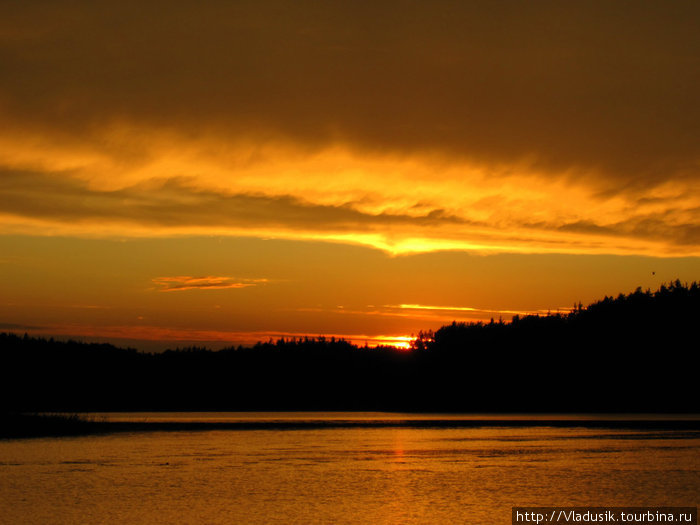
(224, 172)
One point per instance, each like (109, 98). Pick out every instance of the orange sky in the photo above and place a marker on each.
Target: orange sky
(233, 171)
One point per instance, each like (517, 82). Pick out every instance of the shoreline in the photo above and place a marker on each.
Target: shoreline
(20, 426)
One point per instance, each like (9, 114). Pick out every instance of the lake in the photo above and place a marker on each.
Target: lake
(352, 475)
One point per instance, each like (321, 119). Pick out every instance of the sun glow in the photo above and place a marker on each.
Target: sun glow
(171, 337)
(401, 342)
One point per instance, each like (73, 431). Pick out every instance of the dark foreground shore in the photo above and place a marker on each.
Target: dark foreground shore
(59, 425)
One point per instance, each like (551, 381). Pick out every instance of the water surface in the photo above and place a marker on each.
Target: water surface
(341, 475)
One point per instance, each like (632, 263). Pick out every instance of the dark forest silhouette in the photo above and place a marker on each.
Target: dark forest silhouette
(632, 353)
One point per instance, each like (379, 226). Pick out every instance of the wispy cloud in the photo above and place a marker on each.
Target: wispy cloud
(186, 282)
(63, 203)
(433, 314)
(427, 307)
(458, 309)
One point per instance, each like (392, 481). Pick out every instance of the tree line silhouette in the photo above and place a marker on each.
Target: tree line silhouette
(631, 353)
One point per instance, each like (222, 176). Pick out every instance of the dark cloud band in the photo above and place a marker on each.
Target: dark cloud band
(610, 87)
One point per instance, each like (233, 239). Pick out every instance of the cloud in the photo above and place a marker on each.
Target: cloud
(409, 126)
(461, 312)
(185, 282)
(432, 314)
(437, 308)
(33, 201)
(605, 86)
(178, 202)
